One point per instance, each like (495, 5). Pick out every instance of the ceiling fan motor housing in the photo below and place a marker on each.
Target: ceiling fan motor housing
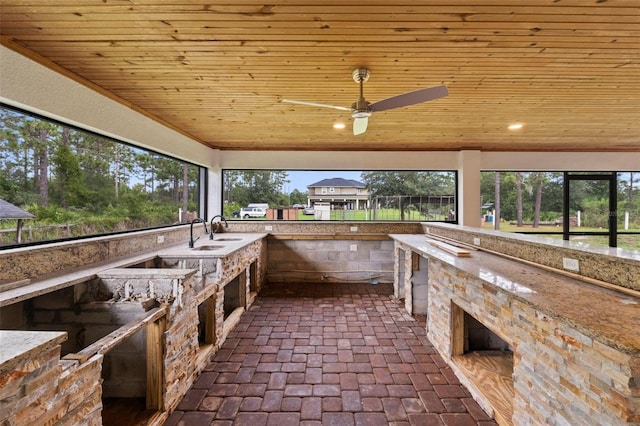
(360, 109)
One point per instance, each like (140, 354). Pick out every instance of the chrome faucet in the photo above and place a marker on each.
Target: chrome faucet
(214, 229)
(196, 220)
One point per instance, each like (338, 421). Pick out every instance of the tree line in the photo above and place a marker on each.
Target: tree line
(537, 197)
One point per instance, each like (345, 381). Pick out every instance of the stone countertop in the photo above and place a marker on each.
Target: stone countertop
(610, 317)
(151, 273)
(614, 252)
(229, 242)
(17, 345)
(222, 245)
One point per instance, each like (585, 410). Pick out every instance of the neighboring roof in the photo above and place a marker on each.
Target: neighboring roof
(338, 183)
(9, 211)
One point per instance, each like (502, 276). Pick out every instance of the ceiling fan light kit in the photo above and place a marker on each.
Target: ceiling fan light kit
(361, 109)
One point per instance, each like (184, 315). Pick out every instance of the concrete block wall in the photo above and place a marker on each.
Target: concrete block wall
(561, 376)
(53, 312)
(330, 260)
(12, 317)
(313, 251)
(124, 369)
(84, 320)
(124, 366)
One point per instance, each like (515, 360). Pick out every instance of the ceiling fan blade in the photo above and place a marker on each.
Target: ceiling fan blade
(315, 104)
(360, 125)
(410, 98)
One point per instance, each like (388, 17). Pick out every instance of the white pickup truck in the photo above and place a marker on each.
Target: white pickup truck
(248, 212)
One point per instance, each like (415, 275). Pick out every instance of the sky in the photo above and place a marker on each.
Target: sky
(300, 179)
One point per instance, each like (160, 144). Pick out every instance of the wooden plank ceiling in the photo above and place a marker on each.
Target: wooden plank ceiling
(568, 70)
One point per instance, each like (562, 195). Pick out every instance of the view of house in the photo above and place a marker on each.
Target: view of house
(340, 193)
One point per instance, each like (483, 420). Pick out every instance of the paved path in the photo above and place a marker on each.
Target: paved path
(330, 354)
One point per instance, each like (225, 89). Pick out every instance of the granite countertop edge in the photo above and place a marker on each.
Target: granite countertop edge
(542, 297)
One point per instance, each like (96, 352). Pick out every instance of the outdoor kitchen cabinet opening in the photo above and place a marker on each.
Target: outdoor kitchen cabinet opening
(235, 295)
(486, 360)
(207, 322)
(125, 393)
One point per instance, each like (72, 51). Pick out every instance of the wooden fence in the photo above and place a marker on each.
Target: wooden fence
(31, 233)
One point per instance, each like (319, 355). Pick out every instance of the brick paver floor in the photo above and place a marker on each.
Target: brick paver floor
(330, 354)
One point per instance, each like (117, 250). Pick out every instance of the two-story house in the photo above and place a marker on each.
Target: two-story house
(339, 193)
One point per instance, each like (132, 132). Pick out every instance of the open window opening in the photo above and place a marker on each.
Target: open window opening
(69, 183)
(591, 207)
(340, 195)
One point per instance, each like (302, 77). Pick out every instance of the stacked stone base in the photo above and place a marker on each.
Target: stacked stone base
(561, 376)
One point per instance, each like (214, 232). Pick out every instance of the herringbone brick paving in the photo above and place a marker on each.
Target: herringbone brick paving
(329, 354)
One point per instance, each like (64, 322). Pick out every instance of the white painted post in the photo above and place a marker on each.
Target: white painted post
(626, 220)
(579, 218)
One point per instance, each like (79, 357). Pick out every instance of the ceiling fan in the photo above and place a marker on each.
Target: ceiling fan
(361, 109)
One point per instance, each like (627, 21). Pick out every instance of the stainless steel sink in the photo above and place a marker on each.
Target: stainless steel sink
(208, 247)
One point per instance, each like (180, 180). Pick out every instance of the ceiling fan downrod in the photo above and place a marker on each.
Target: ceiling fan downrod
(361, 107)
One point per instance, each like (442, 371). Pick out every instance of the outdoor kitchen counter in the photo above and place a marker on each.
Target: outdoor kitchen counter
(17, 346)
(610, 317)
(229, 243)
(222, 245)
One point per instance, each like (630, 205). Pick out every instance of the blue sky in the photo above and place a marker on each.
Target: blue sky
(300, 179)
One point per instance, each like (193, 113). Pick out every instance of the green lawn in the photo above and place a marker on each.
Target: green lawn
(630, 242)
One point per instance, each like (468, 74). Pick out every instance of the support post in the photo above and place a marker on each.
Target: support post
(155, 370)
(210, 321)
(457, 330)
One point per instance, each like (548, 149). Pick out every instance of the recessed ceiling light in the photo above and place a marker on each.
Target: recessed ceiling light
(338, 126)
(515, 126)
